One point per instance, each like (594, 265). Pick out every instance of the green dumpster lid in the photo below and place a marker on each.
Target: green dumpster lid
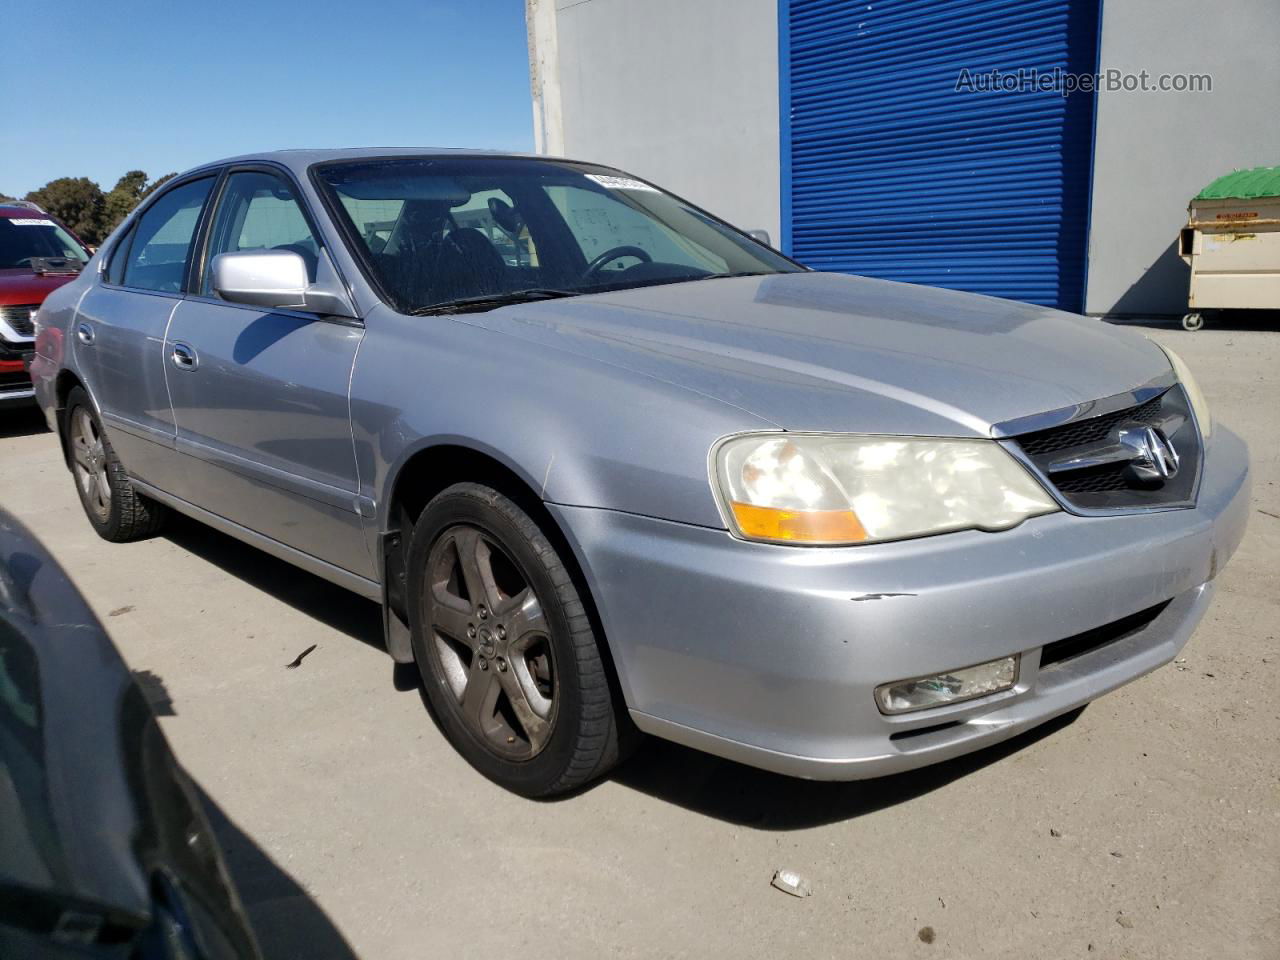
(1244, 185)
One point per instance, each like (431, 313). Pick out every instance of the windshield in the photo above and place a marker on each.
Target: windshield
(487, 230)
(22, 238)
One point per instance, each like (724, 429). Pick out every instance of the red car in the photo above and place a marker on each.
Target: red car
(37, 255)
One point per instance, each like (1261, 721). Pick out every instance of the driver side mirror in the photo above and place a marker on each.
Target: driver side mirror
(761, 235)
(275, 280)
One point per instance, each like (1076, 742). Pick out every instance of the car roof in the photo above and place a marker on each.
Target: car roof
(10, 210)
(298, 160)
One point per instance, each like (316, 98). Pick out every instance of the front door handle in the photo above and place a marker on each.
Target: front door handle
(84, 333)
(184, 358)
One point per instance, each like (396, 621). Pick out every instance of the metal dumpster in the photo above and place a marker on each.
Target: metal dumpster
(1232, 242)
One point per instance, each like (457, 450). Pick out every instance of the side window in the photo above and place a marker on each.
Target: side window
(119, 254)
(258, 211)
(157, 258)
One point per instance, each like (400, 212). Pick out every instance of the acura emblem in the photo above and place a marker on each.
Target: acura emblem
(1152, 457)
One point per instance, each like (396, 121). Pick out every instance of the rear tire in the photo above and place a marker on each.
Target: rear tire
(115, 509)
(507, 654)
(1193, 321)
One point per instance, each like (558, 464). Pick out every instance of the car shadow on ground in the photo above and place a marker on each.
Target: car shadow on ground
(744, 795)
(285, 920)
(24, 421)
(334, 606)
(1227, 321)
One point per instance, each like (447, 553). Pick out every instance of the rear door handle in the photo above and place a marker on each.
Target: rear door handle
(84, 333)
(184, 358)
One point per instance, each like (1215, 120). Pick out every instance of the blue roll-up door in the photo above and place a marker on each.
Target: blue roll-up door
(890, 171)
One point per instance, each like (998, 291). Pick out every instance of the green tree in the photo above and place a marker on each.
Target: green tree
(122, 198)
(158, 182)
(76, 201)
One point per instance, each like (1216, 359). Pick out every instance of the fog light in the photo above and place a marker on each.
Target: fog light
(950, 687)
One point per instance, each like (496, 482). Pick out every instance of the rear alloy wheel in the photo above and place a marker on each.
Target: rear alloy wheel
(89, 463)
(117, 511)
(506, 651)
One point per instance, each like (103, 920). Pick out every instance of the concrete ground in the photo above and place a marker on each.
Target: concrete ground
(1148, 827)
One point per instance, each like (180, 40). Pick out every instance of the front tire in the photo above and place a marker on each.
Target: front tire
(508, 657)
(115, 509)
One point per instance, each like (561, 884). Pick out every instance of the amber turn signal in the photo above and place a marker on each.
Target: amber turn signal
(798, 526)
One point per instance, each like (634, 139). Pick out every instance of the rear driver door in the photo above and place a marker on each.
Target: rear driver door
(260, 396)
(120, 326)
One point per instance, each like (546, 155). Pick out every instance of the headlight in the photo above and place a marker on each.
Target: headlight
(825, 489)
(1199, 405)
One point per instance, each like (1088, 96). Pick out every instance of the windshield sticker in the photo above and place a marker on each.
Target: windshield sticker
(620, 183)
(29, 222)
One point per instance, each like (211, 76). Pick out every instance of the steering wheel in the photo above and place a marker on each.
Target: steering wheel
(616, 253)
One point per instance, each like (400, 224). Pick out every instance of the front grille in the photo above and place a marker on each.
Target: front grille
(1082, 432)
(1089, 467)
(1060, 651)
(1097, 480)
(16, 351)
(17, 378)
(18, 316)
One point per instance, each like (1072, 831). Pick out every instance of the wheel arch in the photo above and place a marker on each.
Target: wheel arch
(66, 381)
(434, 467)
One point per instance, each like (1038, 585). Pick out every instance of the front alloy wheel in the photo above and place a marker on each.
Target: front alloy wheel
(489, 641)
(509, 661)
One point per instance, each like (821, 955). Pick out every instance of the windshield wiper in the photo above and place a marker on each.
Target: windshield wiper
(491, 301)
(740, 273)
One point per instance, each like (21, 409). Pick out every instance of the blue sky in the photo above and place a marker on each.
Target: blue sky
(93, 89)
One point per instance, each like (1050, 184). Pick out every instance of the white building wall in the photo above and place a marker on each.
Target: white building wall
(1155, 151)
(685, 93)
(680, 92)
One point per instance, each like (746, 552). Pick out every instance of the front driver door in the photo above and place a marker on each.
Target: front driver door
(260, 396)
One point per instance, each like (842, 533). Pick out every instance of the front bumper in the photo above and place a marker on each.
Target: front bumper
(16, 394)
(15, 382)
(769, 655)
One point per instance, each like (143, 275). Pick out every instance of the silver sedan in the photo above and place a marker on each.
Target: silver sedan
(612, 466)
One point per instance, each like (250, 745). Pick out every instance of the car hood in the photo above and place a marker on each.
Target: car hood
(20, 285)
(830, 352)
